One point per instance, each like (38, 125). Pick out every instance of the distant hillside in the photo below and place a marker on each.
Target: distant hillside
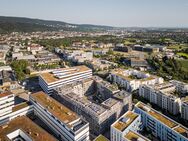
(17, 24)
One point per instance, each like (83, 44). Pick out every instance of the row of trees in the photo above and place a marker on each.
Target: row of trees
(168, 67)
(20, 68)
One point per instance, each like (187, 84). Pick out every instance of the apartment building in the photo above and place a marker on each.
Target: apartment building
(65, 123)
(104, 88)
(99, 118)
(162, 95)
(23, 129)
(130, 121)
(180, 86)
(184, 108)
(6, 103)
(81, 88)
(78, 55)
(54, 79)
(160, 125)
(8, 109)
(125, 98)
(132, 79)
(7, 80)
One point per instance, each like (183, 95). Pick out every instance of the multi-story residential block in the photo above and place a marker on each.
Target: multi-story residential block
(184, 108)
(6, 103)
(114, 106)
(132, 79)
(8, 109)
(104, 88)
(7, 81)
(160, 125)
(65, 123)
(125, 98)
(78, 56)
(162, 95)
(130, 121)
(99, 118)
(51, 80)
(81, 88)
(23, 129)
(180, 86)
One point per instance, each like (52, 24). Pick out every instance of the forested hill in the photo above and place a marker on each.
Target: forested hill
(18, 24)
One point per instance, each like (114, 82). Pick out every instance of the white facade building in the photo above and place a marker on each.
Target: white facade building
(132, 79)
(23, 129)
(57, 78)
(184, 108)
(180, 86)
(6, 103)
(160, 125)
(9, 111)
(65, 123)
(162, 95)
(130, 121)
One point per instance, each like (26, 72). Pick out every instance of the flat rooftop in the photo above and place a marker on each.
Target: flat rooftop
(182, 130)
(164, 86)
(28, 127)
(133, 136)
(110, 102)
(165, 120)
(122, 94)
(162, 118)
(84, 102)
(106, 84)
(185, 100)
(5, 94)
(125, 121)
(55, 108)
(129, 76)
(63, 73)
(21, 106)
(100, 138)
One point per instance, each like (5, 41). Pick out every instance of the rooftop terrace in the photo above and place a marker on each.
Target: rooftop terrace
(63, 73)
(28, 127)
(125, 121)
(162, 118)
(21, 106)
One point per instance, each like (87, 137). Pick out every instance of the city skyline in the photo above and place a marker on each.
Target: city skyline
(122, 13)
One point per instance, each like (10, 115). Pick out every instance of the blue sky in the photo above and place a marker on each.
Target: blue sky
(124, 13)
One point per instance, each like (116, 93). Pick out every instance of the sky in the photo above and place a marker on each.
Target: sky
(119, 13)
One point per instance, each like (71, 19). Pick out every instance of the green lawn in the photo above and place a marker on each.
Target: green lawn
(184, 64)
(177, 47)
(183, 54)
